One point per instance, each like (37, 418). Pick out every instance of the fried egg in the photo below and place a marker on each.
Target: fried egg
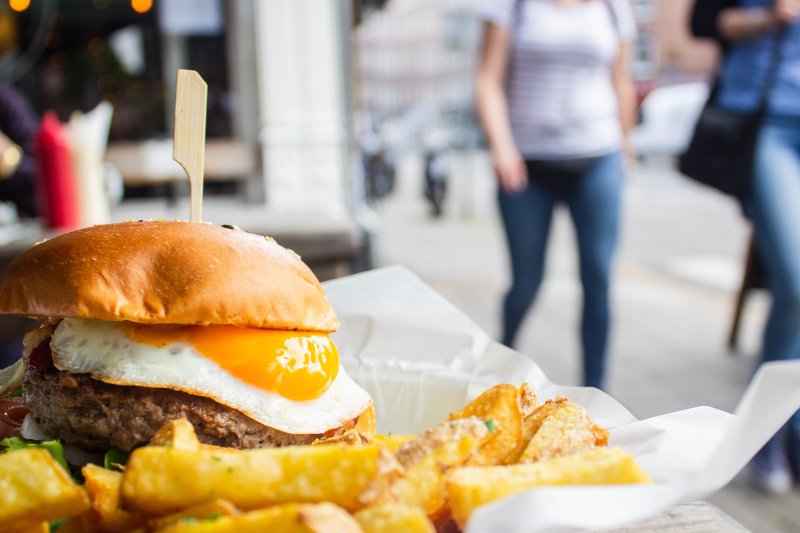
(288, 380)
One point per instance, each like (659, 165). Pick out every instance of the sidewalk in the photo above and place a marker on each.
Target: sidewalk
(677, 272)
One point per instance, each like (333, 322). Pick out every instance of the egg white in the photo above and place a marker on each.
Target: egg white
(102, 349)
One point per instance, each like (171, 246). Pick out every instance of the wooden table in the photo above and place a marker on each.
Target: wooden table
(695, 517)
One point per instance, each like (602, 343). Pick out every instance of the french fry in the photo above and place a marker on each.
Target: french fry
(363, 426)
(532, 423)
(443, 521)
(393, 518)
(27, 527)
(392, 442)
(36, 488)
(564, 428)
(471, 487)
(161, 480)
(499, 407)
(178, 434)
(350, 437)
(429, 482)
(288, 518)
(424, 484)
(528, 401)
(106, 515)
(73, 525)
(427, 456)
(366, 425)
(214, 509)
(452, 431)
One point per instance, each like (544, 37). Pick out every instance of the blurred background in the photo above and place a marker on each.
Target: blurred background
(347, 130)
(312, 106)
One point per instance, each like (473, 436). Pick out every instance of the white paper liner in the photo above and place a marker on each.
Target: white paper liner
(421, 359)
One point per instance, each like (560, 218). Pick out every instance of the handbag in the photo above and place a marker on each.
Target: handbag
(722, 148)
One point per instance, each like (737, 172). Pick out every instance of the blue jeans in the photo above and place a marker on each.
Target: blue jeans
(594, 204)
(774, 207)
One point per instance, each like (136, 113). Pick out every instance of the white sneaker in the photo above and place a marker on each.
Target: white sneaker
(772, 479)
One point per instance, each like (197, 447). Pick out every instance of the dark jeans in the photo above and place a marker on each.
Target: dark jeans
(594, 204)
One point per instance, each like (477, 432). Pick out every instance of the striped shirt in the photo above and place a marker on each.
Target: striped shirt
(561, 98)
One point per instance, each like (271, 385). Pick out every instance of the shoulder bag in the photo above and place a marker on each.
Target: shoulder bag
(721, 151)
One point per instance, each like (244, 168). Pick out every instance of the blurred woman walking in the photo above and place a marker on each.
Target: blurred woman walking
(556, 102)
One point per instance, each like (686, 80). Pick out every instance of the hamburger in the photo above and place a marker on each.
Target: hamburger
(146, 322)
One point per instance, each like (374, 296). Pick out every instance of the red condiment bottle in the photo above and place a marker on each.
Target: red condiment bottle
(56, 180)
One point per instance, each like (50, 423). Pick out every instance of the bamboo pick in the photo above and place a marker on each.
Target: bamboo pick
(189, 136)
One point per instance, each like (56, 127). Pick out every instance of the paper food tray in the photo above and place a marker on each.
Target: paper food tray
(421, 359)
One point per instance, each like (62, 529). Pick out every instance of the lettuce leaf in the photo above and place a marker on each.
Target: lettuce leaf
(53, 446)
(115, 459)
(55, 525)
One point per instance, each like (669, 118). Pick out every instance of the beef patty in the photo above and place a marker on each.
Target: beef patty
(96, 416)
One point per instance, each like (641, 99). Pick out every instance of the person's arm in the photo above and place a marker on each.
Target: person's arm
(626, 95)
(718, 20)
(703, 19)
(493, 108)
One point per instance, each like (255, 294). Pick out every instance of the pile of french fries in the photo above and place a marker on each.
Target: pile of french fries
(503, 442)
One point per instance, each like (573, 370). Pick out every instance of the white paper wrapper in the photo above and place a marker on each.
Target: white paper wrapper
(421, 359)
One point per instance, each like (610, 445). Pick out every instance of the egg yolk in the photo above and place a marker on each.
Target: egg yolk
(297, 365)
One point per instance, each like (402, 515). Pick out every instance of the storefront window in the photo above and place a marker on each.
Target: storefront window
(81, 52)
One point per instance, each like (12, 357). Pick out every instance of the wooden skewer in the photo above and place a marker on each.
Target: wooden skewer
(189, 136)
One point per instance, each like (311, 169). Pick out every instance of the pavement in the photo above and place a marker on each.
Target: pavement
(679, 266)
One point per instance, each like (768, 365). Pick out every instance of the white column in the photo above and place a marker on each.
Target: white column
(242, 71)
(302, 86)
